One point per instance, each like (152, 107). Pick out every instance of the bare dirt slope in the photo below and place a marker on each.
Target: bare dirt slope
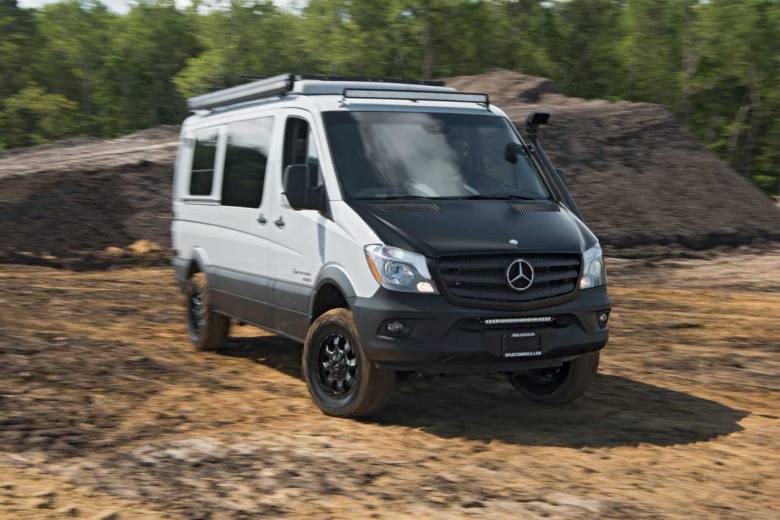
(64, 203)
(105, 408)
(155, 145)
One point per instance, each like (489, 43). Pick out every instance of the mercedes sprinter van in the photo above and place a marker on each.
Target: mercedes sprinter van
(391, 227)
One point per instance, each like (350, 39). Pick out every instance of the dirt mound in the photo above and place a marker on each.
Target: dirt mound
(88, 153)
(645, 185)
(506, 87)
(84, 202)
(640, 179)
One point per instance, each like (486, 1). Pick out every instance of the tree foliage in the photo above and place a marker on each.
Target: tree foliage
(75, 67)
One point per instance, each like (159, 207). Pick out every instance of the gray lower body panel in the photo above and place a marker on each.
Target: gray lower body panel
(276, 305)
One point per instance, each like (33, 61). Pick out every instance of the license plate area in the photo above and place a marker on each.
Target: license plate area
(519, 344)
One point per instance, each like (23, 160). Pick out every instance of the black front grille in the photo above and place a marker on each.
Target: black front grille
(481, 279)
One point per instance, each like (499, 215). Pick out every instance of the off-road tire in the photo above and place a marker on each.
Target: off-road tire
(212, 332)
(569, 385)
(373, 385)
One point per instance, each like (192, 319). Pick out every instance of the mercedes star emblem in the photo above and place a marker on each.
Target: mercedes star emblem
(520, 275)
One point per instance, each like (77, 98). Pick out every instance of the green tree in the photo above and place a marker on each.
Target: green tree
(17, 38)
(735, 90)
(153, 43)
(248, 39)
(34, 116)
(584, 54)
(653, 49)
(75, 40)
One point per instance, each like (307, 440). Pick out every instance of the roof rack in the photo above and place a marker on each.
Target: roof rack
(263, 88)
(349, 87)
(416, 95)
(326, 77)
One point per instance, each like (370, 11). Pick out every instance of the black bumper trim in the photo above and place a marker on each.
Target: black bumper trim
(439, 342)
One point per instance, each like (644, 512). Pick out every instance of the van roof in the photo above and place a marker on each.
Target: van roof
(361, 88)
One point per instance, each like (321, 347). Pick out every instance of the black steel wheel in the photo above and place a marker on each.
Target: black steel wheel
(196, 314)
(556, 385)
(341, 380)
(207, 329)
(337, 370)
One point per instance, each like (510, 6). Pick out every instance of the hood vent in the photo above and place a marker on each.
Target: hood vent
(408, 207)
(535, 207)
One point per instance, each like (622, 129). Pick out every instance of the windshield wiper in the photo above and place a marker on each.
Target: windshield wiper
(525, 197)
(495, 196)
(475, 197)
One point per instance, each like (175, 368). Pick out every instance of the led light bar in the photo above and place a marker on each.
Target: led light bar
(259, 89)
(514, 321)
(416, 95)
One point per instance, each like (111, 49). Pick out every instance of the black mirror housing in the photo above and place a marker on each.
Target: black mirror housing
(299, 189)
(512, 150)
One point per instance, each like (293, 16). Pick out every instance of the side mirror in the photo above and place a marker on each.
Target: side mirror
(299, 190)
(512, 150)
(562, 174)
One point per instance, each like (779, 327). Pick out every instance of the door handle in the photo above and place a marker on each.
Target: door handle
(261, 220)
(279, 222)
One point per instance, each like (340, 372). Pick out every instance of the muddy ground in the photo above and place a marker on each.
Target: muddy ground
(107, 412)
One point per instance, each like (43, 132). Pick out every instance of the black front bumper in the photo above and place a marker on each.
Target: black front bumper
(447, 338)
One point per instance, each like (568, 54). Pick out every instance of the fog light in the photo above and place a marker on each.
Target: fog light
(603, 318)
(395, 329)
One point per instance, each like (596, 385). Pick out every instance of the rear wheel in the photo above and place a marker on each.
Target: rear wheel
(557, 385)
(341, 380)
(208, 330)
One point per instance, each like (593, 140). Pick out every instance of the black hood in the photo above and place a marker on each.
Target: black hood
(441, 227)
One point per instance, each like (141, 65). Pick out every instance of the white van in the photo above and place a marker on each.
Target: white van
(391, 227)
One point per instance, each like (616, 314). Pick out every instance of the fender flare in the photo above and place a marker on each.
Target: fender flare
(332, 275)
(184, 266)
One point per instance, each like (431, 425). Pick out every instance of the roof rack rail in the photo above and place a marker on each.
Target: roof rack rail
(427, 82)
(282, 84)
(263, 88)
(416, 95)
(370, 79)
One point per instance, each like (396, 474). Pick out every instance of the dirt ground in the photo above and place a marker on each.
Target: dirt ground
(107, 412)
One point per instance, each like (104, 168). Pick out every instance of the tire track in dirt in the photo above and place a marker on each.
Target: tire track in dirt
(99, 387)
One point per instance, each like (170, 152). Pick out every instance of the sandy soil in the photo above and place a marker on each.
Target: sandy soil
(107, 412)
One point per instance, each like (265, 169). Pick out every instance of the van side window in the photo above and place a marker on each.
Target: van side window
(246, 158)
(299, 148)
(203, 157)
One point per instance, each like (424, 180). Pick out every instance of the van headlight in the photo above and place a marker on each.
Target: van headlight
(593, 272)
(399, 270)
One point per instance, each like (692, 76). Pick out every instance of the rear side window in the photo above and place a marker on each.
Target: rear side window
(246, 159)
(203, 157)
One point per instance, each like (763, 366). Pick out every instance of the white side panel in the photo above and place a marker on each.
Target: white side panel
(345, 249)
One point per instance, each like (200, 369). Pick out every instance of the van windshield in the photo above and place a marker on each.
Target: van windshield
(381, 155)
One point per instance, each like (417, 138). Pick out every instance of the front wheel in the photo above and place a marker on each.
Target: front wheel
(341, 380)
(557, 385)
